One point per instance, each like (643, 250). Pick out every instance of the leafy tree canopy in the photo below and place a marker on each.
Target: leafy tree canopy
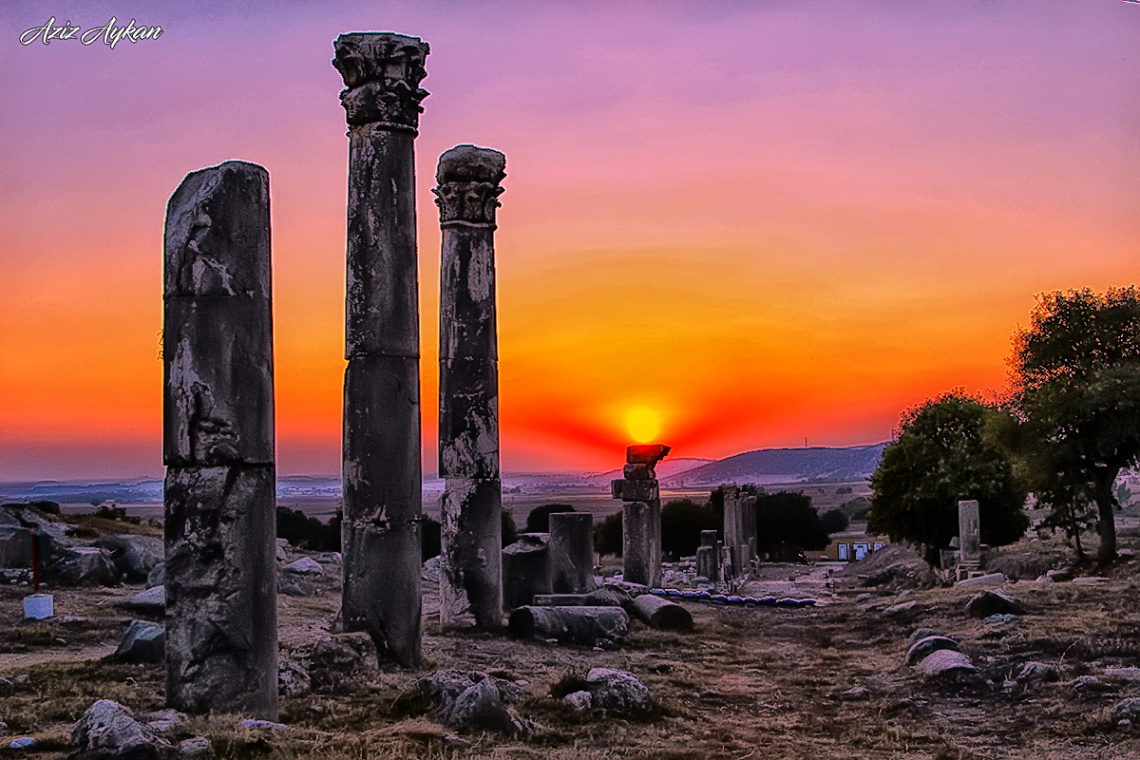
(1076, 404)
(787, 516)
(938, 457)
(538, 521)
(682, 521)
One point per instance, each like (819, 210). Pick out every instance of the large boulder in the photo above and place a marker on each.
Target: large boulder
(143, 642)
(157, 576)
(135, 556)
(293, 679)
(109, 731)
(617, 690)
(84, 566)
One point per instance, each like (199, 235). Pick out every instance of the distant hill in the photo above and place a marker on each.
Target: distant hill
(665, 468)
(815, 464)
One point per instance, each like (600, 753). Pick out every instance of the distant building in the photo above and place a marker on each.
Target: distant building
(852, 547)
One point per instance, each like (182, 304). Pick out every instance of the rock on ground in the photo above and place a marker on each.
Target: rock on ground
(134, 556)
(946, 663)
(293, 679)
(157, 576)
(143, 642)
(341, 659)
(109, 731)
(152, 600)
(195, 748)
(618, 690)
(923, 648)
(993, 603)
(480, 706)
(84, 566)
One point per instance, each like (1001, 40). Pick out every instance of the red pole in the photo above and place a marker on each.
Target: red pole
(35, 563)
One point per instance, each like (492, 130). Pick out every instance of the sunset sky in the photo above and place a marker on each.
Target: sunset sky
(745, 222)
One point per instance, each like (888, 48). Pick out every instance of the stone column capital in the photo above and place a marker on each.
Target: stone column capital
(382, 72)
(469, 189)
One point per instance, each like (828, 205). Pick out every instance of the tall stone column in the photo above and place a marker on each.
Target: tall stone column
(381, 466)
(218, 444)
(471, 576)
(641, 514)
(571, 552)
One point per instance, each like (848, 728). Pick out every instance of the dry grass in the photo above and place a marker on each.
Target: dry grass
(747, 683)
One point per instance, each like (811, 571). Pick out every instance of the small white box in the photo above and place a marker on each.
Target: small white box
(39, 606)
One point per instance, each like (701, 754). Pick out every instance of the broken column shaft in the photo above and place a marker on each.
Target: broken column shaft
(471, 579)
(381, 466)
(218, 445)
(641, 515)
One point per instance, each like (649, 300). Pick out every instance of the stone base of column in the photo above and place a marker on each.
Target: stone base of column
(641, 542)
(571, 552)
(383, 504)
(381, 593)
(221, 589)
(470, 560)
(526, 570)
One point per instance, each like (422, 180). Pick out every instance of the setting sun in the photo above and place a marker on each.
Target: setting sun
(642, 423)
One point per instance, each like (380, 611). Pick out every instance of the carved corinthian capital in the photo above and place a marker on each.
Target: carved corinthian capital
(382, 72)
(469, 190)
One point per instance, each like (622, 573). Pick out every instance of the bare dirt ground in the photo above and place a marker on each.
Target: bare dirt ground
(746, 683)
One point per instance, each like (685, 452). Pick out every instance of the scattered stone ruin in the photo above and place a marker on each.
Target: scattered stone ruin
(969, 538)
(381, 466)
(218, 444)
(739, 534)
(471, 580)
(641, 514)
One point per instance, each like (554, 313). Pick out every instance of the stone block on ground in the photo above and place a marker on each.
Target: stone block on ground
(526, 570)
(304, 566)
(617, 690)
(993, 579)
(993, 603)
(1037, 671)
(662, 613)
(481, 707)
(109, 731)
(195, 748)
(587, 626)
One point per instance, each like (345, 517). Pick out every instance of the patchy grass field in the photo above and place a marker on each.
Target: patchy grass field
(747, 683)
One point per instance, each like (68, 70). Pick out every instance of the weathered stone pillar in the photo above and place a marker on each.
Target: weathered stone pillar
(707, 556)
(470, 567)
(218, 444)
(381, 466)
(571, 552)
(641, 514)
(969, 533)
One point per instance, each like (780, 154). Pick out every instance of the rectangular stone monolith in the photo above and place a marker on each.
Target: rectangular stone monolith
(571, 552)
(218, 445)
(969, 533)
(471, 576)
(381, 470)
(526, 569)
(739, 530)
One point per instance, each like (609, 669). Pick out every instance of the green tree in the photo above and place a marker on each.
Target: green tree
(788, 516)
(939, 456)
(538, 521)
(607, 535)
(682, 521)
(834, 521)
(1076, 402)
